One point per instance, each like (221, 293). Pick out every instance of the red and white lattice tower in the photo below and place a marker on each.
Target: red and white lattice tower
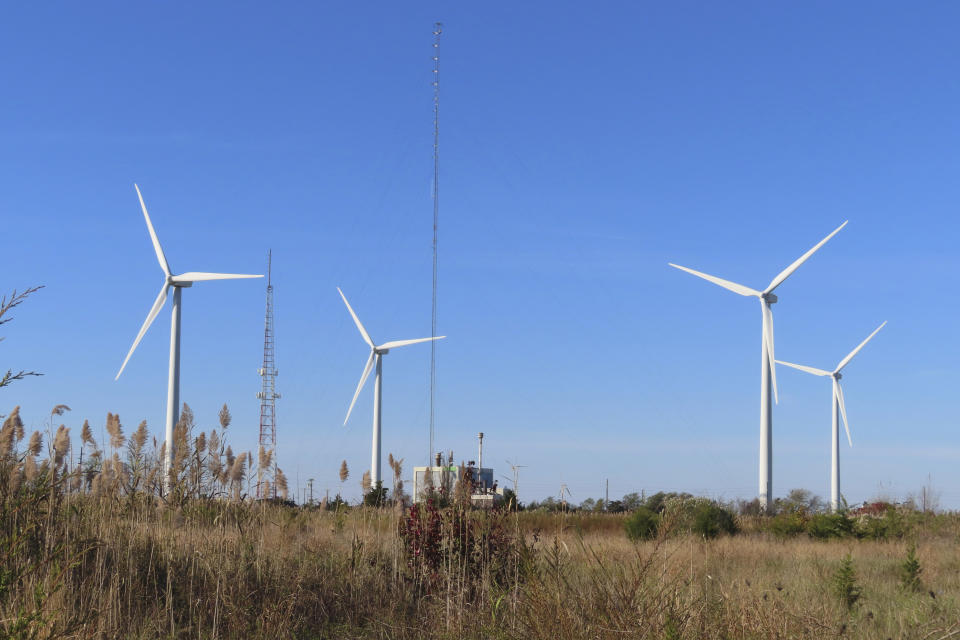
(266, 474)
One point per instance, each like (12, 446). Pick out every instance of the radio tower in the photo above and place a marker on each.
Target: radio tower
(437, 30)
(266, 475)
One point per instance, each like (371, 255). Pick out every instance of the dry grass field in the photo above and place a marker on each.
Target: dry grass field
(95, 553)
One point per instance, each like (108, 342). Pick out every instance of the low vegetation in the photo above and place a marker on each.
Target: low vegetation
(99, 550)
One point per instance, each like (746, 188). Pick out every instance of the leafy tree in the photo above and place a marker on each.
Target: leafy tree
(800, 500)
(632, 501)
(615, 506)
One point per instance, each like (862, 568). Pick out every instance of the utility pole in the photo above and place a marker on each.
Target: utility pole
(606, 499)
(266, 474)
(437, 30)
(310, 485)
(516, 476)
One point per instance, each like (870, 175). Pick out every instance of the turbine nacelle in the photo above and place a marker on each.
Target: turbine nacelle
(769, 298)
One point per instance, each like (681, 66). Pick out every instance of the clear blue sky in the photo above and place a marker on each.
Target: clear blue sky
(583, 148)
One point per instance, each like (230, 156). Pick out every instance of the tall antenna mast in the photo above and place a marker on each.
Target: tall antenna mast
(437, 30)
(266, 474)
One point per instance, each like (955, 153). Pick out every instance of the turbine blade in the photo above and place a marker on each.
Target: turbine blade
(838, 390)
(783, 275)
(726, 284)
(363, 381)
(402, 343)
(356, 320)
(162, 259)
(850, 355)
(157, 305)
(198, 276)
(768, 343)
(814, 371)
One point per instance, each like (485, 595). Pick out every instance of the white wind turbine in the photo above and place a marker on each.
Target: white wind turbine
(178, 282)
(838, 407)
(768, 376)
(376, 352)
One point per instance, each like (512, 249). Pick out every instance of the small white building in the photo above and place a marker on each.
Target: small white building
(443, 478)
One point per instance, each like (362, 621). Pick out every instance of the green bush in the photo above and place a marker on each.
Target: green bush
(823, 526)
(642, 524)
(711, 519)
(889, 525)
(787, 524)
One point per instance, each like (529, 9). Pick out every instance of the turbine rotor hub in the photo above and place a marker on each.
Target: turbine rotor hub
(770, 298)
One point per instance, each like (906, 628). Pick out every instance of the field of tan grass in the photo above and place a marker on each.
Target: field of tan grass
(102, 551)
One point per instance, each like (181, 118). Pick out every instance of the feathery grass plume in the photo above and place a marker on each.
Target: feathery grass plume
(344, 471)
(61, 444)
(200, 443)
(396, 464)
(117, 439)
(120, 471)
(213, 442)
(36, 442)
(365, 482)
(58, 410)
(225, 417)
(30, 469)
(139, 437)
(238, 468)
(6, 441)
(16, 478)
(11, 425)
(215, 466)
(86, 436)
(265, 457)
(266, 489)
(230, 456)
(281, 484)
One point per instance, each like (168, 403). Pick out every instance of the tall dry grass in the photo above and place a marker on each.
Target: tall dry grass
(97, 552)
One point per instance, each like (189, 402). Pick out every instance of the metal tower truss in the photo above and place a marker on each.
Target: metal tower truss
(266, 473)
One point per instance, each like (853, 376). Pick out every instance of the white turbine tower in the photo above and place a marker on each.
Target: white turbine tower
(376, 352)
(838, 408)
(178, 282)
(768, 376)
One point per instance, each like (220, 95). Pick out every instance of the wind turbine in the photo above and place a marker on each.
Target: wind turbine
(376, 353)
(768, 375)
(178, 282)
(838, 407)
